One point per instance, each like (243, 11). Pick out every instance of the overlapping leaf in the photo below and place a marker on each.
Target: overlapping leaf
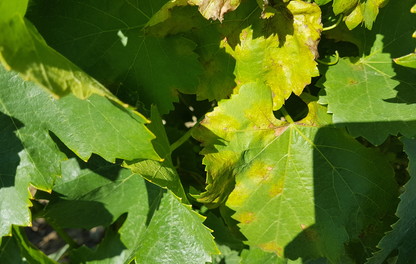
(297, 186)
(162, 173)
(158, 227)
(217, 79)
(356, 12)
(284, 57)
(107, 39)
(370, 95)
(88, 126)
(404, 231)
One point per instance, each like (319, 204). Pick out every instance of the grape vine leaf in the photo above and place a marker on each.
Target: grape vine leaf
(161, 173)
(107, 39)
(76, 122)
(215, 9)
(23, 50)
(283, 59)
(149, 209)
(371, 95)
(292, 179)
(404, 230)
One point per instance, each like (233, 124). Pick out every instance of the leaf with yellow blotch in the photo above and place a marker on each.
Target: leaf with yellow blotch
(284, 58)
(300, 185)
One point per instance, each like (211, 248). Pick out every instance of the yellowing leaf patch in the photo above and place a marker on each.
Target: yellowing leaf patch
(284, 59)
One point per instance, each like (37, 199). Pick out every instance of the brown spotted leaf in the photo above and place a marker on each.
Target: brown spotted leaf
(298, 189)
(215, 9)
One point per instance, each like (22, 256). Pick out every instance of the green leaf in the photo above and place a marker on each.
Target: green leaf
(162, 173)
(107, 39)
(404, 230)
(215, 9)
(300, 190)
(176, 225)
(370, 95)
(23, 50)
(150, 211)
(284, 58)
(77, 122)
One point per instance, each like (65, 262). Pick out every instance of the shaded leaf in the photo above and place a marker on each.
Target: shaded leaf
(107, 39)
(25, 51)
(9, 251)
(14, 194)
(31, 254)
(404, 230)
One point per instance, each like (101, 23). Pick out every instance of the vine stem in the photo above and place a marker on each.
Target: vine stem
(330, 63)
(334, 25)
(286, 115)
(184, 137)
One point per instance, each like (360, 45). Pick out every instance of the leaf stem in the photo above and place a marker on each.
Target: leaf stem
(334, 25)
(286, 115)
(181, 140)
(184, 137)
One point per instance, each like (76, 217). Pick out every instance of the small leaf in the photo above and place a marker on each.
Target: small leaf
(407, 60)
